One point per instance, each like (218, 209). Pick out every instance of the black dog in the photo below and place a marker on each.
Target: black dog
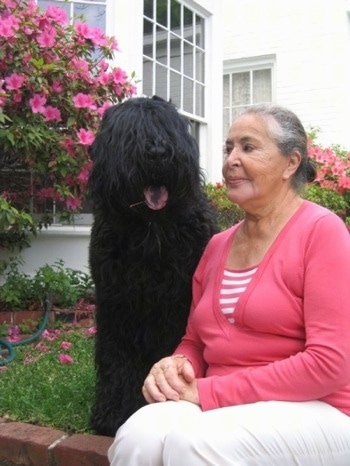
(152, 221)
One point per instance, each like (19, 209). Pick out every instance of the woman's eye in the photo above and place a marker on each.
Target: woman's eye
(227, 150)
(248, 148)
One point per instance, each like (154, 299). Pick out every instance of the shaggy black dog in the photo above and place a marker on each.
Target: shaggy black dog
(151, 224)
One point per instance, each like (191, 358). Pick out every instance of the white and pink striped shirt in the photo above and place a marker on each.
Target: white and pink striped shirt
(234, 283)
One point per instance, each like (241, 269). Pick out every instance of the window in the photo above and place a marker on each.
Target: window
(174, 55)
(93, 11)
(245, 84)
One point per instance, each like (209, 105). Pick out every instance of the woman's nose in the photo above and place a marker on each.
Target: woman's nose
(232, 157)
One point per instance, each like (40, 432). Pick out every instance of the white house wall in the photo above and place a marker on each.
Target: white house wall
(311, 43)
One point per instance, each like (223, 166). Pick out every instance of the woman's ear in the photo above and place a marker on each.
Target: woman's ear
(292, 166)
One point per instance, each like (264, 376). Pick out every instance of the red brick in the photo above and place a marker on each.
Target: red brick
(26, 444)
(81, 449)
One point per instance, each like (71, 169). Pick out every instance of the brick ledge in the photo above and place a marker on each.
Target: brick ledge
(24, 444)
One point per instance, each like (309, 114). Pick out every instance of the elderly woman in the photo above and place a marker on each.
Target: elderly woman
(262, 375)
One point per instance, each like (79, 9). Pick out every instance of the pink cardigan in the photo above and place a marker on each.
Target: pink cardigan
(291, 336)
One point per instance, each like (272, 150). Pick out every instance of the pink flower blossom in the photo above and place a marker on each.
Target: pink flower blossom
(8, 26)
(3, 368)
(66, 345)
(84, 101)
(14, 81)
(119, 76)
(73, 203)
(57, 14)
(65, 359)
(37, 103)
(51, 113)
(91, 330)
(42, 347)
(101, 110)
(57, 86)
(47, 38)
(85, 137)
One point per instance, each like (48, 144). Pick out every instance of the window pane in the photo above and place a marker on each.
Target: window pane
(226, 123)
(161, 81)
(175, 17)
(175, 88)
(161, 46)
(94, 14)
(43, 4)
(188, 96)
(262, 86)
(147, 77)
(200, 66)
(199, 31)
(188, 60)
(147, 28)
(188, 25)
(226, 90)
(240, 88)
(162, 12)
(175, 53)
(199, 100)
(148, 8)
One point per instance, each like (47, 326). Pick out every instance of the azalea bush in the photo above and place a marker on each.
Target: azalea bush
(55, 84)
(332, 185)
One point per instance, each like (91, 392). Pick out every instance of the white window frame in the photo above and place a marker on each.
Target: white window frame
(249, 65)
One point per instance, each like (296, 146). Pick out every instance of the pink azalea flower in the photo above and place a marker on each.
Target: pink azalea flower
(3, 368)
(84, 101)
(101, 110)
(57, 86)
(119, 76)
(37, 103)
(14, 81)
(51, 113)
(47, 38)
(8, 27)
(65, 359)
(104, 78)
(91, 330)
(86, 137)
(73, 203)
(57, 14)
(66, 345)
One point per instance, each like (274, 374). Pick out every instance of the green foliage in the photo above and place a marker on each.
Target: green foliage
(37, 388)
(326, 197)
(64, 286)
(228, 213)
(15, 226)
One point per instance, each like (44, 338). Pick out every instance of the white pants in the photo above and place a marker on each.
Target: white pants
(273, 433)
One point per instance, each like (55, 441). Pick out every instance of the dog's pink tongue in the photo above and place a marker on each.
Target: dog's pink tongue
(156, 197)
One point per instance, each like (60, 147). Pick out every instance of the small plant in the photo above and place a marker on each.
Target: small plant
(65, 287)
(228, 213)
(17, 291)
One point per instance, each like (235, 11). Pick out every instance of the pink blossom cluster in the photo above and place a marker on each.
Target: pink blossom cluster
(56, 81)
(333, 169)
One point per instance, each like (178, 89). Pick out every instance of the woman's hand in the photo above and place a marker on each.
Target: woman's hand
(171, 378)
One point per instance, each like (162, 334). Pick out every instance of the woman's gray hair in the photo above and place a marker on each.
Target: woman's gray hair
(289, 136)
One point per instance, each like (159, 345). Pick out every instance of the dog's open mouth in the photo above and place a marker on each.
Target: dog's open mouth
(156, 197)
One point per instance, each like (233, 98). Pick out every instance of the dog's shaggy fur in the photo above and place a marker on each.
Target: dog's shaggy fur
(151, 224)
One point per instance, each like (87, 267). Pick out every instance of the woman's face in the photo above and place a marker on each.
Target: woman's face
(256, 173)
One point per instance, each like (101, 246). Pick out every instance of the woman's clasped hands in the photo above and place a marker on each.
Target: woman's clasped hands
(171, 378)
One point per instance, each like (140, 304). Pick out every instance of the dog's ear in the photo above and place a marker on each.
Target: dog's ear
(157, 98)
